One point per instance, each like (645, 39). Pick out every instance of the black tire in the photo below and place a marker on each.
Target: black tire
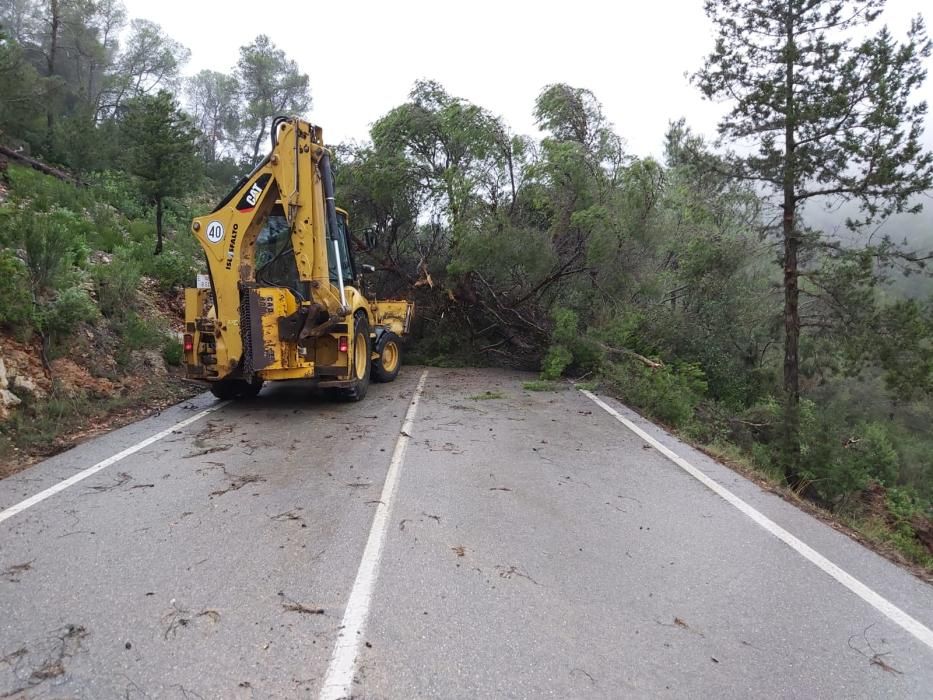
(227, 389)
(361, 342)
(387, 365)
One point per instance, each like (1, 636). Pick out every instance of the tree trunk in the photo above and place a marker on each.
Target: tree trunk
(791, 347)
(158, 248)
(262, 131)
(50, 63)
(791, 278)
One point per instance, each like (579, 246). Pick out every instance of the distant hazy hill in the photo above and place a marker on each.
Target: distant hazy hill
(914, 232)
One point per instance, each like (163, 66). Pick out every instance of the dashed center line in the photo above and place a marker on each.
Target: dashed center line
(339, 679)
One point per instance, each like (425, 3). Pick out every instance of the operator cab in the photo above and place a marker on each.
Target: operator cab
(347, 263)
(275, 255)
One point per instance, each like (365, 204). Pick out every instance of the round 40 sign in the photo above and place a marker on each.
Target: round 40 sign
(215, 232)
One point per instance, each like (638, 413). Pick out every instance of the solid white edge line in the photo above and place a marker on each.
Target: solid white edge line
(339, 678)
(90, 471)
(884, 606)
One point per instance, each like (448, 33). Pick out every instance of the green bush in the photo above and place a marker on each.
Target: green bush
(873, 453)
(570, 348)
(16, 307)
(670, 393)
(171, 269)
(836, 460)
(44, 193)
(172, 352)
(555, 362)
(53, 242)
(139, 334)
(121, 192)
(60, 318)
(142, 232)
(107, 234)
(116, 285)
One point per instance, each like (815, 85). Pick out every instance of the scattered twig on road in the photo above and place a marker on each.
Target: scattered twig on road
(580, 670)
(122, 478)
(239, 481)
(876, 658)
(13, 572)
(206, 451)
(294, 606)
(288, 515)
(211, 615)
(680, 623)
(513, 570)
(12, 656)
(178, 617)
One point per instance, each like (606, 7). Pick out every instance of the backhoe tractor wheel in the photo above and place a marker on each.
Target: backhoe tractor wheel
(361, 361)
(389, 360)
(227, 389)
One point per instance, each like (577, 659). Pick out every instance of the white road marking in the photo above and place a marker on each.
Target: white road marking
(90, 471)
(884, 606)
(339, 679)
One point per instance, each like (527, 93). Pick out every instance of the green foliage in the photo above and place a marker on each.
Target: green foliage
(570, 348)
(836, 460)
(823, 104)
(106, 231)
(555, 362)
(137, 333)
(270, 84)
(161, 147)
(172, 352)
(540, 385)
(20, 86)
(172, 269)
(61, 316)
(44, 193)
(121, 193)
(16, 305)
(117, 285)
(53, 242)
(670, 393)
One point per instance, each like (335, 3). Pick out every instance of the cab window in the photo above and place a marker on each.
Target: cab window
(275, 258)
(343, 244)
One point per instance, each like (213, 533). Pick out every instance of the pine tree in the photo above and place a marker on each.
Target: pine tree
(827, 116)
(161, 147)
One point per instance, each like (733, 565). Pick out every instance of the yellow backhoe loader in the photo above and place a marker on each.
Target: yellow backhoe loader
(283, 297)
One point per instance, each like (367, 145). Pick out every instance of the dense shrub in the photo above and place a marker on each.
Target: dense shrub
(58, 318)
(16, 307)
(669, 393)
(172, 352)
(117, 284)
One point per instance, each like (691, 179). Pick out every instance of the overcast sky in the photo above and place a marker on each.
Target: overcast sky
(363, 56)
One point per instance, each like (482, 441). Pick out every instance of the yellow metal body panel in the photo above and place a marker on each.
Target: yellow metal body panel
(394, 315)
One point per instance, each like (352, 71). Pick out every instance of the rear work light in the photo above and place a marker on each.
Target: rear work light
(342, 344)
(189, 342)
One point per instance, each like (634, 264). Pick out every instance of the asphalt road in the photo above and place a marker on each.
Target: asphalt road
(505, 544)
